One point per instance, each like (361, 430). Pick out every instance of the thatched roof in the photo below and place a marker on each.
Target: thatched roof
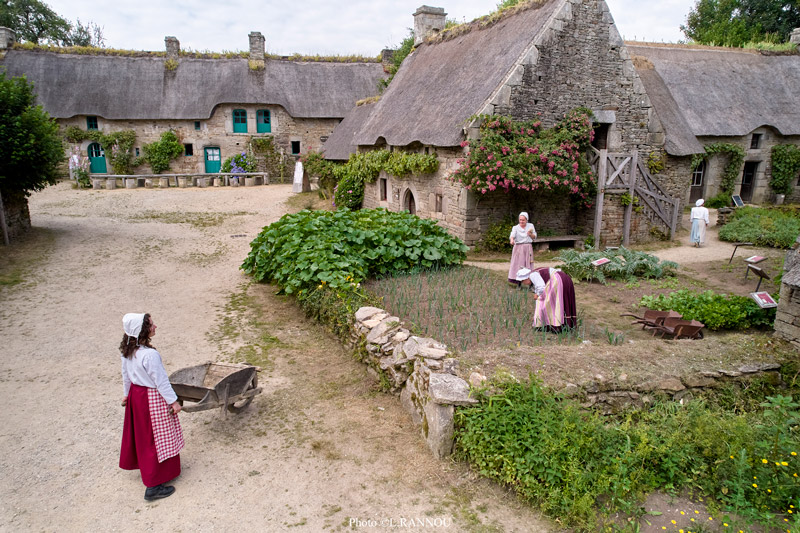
(444, 82)
(118, 87)
(342, 142)
(719, 92)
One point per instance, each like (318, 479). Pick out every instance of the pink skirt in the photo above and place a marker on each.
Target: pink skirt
(522, 257)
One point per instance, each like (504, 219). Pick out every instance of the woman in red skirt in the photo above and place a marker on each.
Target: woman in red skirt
(151, 437)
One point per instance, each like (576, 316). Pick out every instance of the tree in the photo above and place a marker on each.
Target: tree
(33, 21)
(737, 22)
(32, 149)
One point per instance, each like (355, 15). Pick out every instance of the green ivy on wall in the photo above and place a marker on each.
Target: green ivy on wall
(731, 172)
(117, 145)
(785, 167)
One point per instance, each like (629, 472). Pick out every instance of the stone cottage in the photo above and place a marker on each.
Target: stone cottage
(542, 58)
(706, 95)
(215, 104)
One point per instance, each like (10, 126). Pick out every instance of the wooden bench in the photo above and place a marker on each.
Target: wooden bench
(542, 244)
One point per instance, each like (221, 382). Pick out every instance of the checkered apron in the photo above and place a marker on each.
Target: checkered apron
(167, 431)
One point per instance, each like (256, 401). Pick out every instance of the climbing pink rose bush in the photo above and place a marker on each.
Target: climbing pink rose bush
(523, 155)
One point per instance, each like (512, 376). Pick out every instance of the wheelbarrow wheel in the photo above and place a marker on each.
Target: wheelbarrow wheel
(240, 406)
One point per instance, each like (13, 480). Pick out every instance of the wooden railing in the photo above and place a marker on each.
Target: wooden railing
(620, 173)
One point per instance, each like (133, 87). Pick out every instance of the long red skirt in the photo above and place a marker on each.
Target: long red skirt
(139, 445)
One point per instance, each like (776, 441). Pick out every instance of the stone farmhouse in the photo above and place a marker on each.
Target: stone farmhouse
(545, 58)
(215, 105)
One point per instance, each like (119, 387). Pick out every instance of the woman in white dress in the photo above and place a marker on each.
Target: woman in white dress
(699, 219)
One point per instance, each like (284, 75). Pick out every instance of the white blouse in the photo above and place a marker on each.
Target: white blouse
(145, 369)
(699, 212)
(520, 235)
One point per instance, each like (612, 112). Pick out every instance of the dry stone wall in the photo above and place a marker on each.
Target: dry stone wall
(420, 369)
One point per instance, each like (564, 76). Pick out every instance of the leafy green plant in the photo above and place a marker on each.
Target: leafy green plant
(778, 228)
(335, 307)
(624, 264)
(364, 167)
(239, 163)
(522, 155)
(614, 338)
(722, 199)
(785, 167)
(716, 311)
(268, 158)
(317, 165)
(735, 160)
(319, 248)
(655, 162)
(160, 153)
(496, 237)
(572, 463)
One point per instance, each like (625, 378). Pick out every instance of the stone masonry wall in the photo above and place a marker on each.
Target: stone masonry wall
(18, 218)
(582, 61)
(419, 368)
(787, 319)
(217, 131)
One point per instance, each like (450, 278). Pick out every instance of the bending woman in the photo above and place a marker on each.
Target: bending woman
(555, 303)
(151, 437)
(521, 238)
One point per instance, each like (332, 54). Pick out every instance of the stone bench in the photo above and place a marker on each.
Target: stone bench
(542, 244)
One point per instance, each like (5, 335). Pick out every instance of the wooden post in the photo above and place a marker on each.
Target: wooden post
(626, 224)
(674, 224)
(6, 241)
(602, 169)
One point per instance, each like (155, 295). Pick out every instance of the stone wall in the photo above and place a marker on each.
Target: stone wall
(582, 61)
(420, 369)
(217, 131)
(716, 164)
(787, 319)
(610, 396)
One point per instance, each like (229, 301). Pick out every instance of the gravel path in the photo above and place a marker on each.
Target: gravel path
(318, 450)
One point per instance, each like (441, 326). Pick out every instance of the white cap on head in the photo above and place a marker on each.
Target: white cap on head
(132, 324)
(523, 274)
(524, 214)
(699, 202)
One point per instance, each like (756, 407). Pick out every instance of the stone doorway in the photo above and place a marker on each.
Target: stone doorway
(409, 204)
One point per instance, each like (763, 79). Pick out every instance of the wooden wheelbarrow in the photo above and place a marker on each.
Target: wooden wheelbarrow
(226, 385)
(652, 318)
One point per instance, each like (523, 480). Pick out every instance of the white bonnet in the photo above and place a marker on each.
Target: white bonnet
(524, 214)
(132, 324)
(699, 202)
(523, 274)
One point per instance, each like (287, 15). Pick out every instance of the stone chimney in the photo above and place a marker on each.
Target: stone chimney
(173, 47)
(428, 21)
(387, 54)
(795, 37)
(256, 46)
(7, 38)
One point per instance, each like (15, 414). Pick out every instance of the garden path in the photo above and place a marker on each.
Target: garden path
(685, 254)
(318, 448)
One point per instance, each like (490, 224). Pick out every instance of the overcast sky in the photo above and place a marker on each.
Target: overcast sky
(317, 26)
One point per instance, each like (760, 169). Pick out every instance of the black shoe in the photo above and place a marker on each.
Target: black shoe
(158, 492)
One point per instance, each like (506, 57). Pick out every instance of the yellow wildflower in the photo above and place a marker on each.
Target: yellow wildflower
(794, 453)
(784, 463)
(682, 512)
(725, 524)
(756, 486)
(673, 522)
(710, 518)
(692, 519)
(697, 512)
(764, 461)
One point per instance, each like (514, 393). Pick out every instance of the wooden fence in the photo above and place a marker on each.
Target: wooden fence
(624, 173)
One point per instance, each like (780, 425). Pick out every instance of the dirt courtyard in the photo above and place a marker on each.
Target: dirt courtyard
(320, 449)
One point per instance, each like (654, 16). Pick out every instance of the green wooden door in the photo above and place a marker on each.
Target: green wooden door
(97, 159)
(212, 157)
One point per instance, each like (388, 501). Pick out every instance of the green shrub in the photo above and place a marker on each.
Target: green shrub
(349, 193)
(496, 237)
(723, 199)
(625, 264)
(316, 165)
(716, 311)
(570, 462)
(763, 227)
(785, 166)
(318, 248)
(160, 153)
(336, 307)
(239, 163)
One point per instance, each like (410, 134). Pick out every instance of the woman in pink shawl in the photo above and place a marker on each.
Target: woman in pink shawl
(555, 303)
(521, 238)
